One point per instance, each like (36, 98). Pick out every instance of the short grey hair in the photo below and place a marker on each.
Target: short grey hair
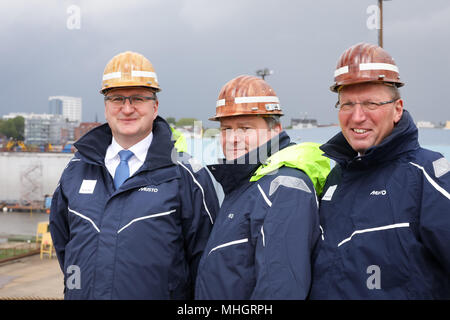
(272, 120)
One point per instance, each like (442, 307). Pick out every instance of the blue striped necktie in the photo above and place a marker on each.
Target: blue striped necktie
(122, 170)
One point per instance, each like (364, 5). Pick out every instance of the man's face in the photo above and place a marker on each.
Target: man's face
(130, 123)
(367, 128)
(241, 134)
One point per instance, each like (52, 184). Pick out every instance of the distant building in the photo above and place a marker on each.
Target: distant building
(447, 125)
(425, 124)
(303, 123)
(69, 107)
(68, 131)
(55, 106)
(83, 128)
(41, 129)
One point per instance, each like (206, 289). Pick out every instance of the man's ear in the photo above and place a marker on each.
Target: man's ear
(398, 110)
(277, 128)
(155, 108)
(106, 117)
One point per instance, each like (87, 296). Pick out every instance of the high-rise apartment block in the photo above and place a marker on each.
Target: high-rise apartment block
(69, 107)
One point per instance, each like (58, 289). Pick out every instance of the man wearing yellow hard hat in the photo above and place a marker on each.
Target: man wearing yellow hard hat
(130, 215)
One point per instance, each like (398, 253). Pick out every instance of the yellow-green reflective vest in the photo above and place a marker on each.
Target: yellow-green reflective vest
(305, 156)
(180, 140)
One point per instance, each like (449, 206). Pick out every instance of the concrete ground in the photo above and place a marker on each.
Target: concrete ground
(31, 278)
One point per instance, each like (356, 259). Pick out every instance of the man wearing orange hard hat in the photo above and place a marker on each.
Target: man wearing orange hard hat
(131, 215)
(261, 243)
(385, 211)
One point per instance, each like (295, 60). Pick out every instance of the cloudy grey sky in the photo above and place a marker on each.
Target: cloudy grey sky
(196, 46)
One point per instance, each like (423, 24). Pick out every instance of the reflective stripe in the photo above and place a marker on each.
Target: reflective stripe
(264, 196)
(263, 237)
(432, 182)
(134, 73)
(195, 164)
(220, 103)
(84, 217)
(112, 75)
(144, 74)
(71, 160)
(288, 182)
(329, 194)
(391, 226)
(321, 230)
(378, 66)
(340, 71)
(256, 99)
(441, 167)
(146, 217)
(229, 244)
(201, 189)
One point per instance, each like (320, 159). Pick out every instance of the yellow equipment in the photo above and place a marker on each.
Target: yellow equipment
(47, 245)
(13, 144)
(42, 228)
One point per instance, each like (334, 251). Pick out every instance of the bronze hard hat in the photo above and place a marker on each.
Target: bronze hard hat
(247, 95)
(365, 62)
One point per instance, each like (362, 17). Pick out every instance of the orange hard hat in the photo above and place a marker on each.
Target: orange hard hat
(129, 69)
(247, 95)
(365, 62)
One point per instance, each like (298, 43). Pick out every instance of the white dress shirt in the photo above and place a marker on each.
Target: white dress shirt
(139, 150)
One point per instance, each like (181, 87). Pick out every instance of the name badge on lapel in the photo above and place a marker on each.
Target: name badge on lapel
(88, 186)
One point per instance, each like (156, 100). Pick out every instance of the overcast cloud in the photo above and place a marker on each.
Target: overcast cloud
(196, 46)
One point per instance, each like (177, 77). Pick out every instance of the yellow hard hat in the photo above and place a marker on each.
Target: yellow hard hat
(129, 69)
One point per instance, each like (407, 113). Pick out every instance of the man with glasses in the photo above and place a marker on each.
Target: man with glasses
(131, 216)
(385, 210)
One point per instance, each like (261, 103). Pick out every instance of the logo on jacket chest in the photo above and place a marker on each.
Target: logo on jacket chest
(148, 189)
(378, 193)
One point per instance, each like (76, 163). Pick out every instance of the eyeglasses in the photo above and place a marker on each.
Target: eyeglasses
(365, 105)
(135, 100)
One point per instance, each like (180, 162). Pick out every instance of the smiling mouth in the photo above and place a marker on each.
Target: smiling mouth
(359, 131)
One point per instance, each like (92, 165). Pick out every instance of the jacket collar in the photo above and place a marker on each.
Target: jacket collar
(93, 145)
(232, 174)
(404, 138)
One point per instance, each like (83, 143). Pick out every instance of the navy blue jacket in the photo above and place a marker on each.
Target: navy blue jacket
(142, 241)
(386, 221)
(262, 240)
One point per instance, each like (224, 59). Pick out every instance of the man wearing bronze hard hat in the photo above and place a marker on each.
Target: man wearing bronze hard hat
(132, 218)
(267, 227)
(385, 210)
